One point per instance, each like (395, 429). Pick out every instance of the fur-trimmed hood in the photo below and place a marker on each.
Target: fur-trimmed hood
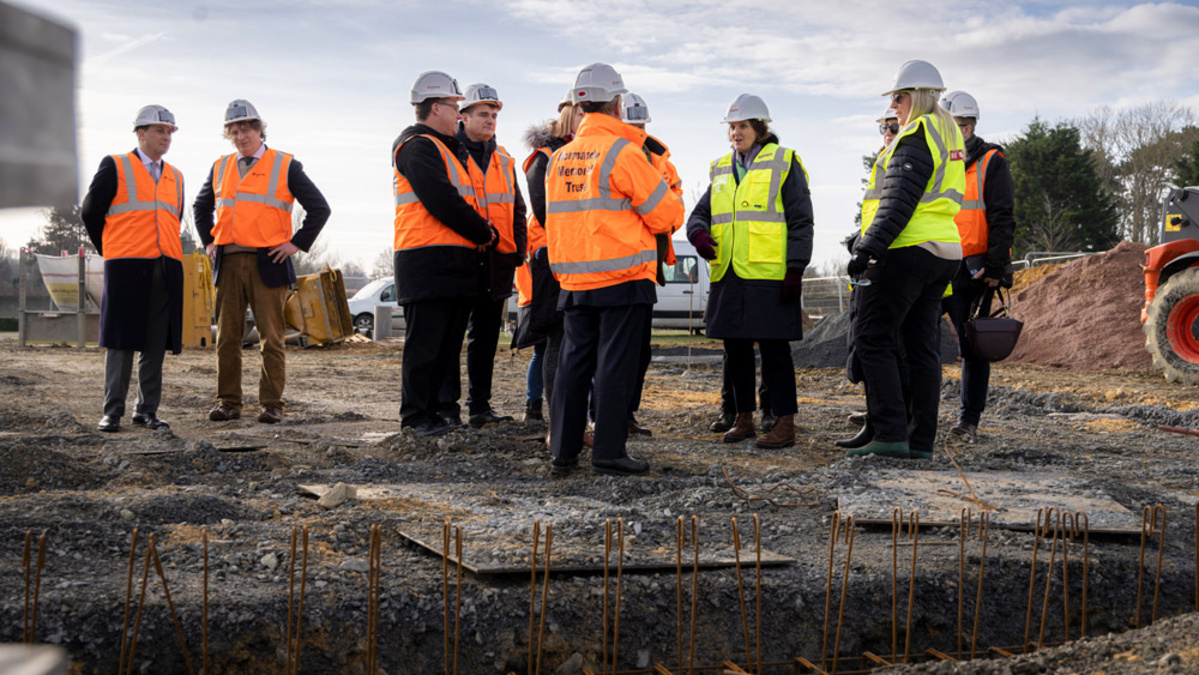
(539, 136)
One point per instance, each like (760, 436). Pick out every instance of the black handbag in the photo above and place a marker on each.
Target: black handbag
(991, 336)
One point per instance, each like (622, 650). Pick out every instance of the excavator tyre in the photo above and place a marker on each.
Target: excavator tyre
(1172, 327)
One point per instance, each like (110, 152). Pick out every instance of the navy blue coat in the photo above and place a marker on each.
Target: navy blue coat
(123, 316)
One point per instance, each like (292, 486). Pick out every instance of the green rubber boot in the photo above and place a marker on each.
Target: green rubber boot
(884, 448)
(913, 453)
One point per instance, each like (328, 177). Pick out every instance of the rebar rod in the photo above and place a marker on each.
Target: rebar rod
(678, 594)
(1157, 582)
(533, 590)
(1032, 578)
(914, 535)
(141, 606)
(295, 668)
(25, 567)
(694, 593)
(1069, 531)
(374, 574)
(619, 588)
(128, 601)
(37, 585)
(896, 529)
(849, 534)
(458, 595)
(1057, 527)
(166, 592)
(758, 599)
(545, 590)
(1149, 528)
(604, 630)
(828, 587)
(964, 521)
(204, 611)
(984, 531)
(741, 592)
(1086, 565)
(291, 594)
(445, 593)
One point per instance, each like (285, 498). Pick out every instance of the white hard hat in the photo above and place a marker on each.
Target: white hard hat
(747, 107)
(240, 110)
(888, 114)
(482, 93)
(568, 99)
(634, 110)
(434, 84)
(598, 82)
(916, 75)
(960, 104)
(155, 114)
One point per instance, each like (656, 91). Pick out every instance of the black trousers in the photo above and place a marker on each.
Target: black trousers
(642, 362)
(903, 301)
(778, 374)
(482, 337)
(432, 342)
(118, 363)
(599, 343)
(976, 373)
(727, 406)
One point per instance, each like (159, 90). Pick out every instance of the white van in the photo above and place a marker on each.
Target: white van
(362, 306)
(682, 301)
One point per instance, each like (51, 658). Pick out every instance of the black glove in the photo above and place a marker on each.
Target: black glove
(705, 245)
(857, 264)
(851, 241)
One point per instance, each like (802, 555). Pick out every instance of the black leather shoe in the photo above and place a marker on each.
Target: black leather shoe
(625, 466)
(149, 421)
(562, 466)
(635, 429)
(864, 436)
(768, 420)
(723, 424)
(453, 420)
(223, 412)
(479, 420)
(433, 427)
(109, 423)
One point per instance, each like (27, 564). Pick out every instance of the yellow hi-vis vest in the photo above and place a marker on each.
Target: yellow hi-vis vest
(748, 222)
(933, 217)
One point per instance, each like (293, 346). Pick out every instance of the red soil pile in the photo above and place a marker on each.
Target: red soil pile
(1086, 315)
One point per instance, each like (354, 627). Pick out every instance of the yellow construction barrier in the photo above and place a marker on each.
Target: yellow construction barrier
(198, 299)
(318, 308)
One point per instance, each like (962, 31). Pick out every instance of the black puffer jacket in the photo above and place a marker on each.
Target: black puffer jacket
(999, 195)
(541, 315)
(910, 167)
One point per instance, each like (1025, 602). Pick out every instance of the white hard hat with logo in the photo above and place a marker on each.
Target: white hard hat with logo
(568, 99)
(598, 82)
(960, 104)
(747, 107)
(154, 114)
(634, 110)
(916, 75)
(240, 110)
(888, 114)
(482, 93)
(434, 84)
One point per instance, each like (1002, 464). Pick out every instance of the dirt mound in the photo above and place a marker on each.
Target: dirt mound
(1028, 276)
(825, 346)
(1086, 314)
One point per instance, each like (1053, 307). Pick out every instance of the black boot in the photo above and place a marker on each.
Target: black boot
(533, 411)
(864, 436)
(723, 423)
(768, 419)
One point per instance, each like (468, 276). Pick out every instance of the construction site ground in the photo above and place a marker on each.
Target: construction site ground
(241, 482)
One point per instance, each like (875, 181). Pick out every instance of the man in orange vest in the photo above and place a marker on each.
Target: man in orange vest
(439, 236)
(498, 199)
(252, 192)
(131, 213)
(988, 228)
(605, 203)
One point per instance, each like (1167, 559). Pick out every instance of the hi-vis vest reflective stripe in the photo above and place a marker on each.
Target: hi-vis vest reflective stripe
(626, 250)
(748, 222)
(933, 217)
(254, 210)
(143, 219)
(497, 202)
(972, 219)
(415, 227)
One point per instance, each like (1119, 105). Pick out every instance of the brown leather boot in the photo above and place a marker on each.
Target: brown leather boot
(743, 428)
(782, 435)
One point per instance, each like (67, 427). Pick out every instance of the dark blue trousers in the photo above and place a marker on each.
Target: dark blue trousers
(976, 373)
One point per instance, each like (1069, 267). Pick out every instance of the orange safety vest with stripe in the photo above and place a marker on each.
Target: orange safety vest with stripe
(535, 239)
(143, 218)
(415, 227)
(497, 202)
(671, 175)
(972, 219)
(253, 210)
(604, 204)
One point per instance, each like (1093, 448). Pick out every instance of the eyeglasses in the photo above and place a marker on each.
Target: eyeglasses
(899, 95)
(448, 105)
(965, 123)
(892, 127)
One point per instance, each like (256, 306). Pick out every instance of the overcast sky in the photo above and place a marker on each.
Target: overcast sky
(331, 78)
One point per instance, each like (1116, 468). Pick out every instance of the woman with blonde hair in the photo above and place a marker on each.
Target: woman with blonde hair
(908, 251)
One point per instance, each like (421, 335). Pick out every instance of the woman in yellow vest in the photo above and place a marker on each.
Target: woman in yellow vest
(907, 252)
(754, 226)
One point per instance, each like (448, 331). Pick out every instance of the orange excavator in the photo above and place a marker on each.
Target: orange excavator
(1170, 317)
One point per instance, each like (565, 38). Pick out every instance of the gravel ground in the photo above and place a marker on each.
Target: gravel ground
(87, 491)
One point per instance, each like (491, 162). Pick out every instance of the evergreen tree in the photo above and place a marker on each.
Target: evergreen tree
(1060, 201)
(1187, 167)
(63, 231)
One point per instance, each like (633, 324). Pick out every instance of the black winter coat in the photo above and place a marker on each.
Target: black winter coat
(542, 315)
(127, 280)
(437, 271)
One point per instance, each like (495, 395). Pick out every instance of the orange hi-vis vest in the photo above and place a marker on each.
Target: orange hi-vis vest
(498, 201)
(604, 204)
(972, 219)
(254, 210)
(535, 237)
(143, 219)
(415, 227)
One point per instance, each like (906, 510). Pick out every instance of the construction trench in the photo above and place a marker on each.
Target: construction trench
(845, 583)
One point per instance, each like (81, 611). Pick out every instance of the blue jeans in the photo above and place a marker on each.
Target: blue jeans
(534, 382)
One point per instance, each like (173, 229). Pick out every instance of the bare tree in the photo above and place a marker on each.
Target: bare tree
(384, 264)
(1137, 150)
